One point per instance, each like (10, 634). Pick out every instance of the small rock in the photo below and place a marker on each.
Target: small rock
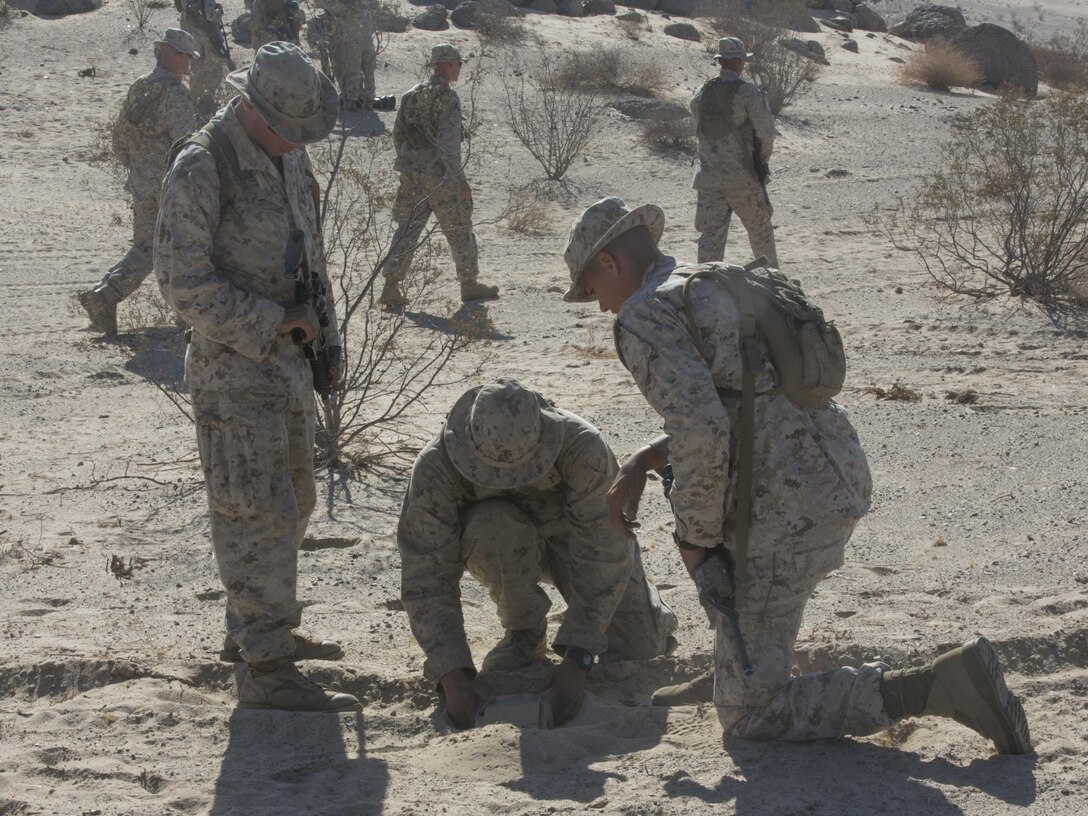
(683, 31)
(850, 45)
(432, 18)
(600, 7)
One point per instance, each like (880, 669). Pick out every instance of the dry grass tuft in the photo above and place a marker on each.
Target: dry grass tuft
(527, 215)
(496, 25)
(966, 396)
(669, 135)
(941, 67)
(897, 393)
(1063, 60)
(611, 70)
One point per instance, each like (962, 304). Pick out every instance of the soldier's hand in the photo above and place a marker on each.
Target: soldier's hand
(462, 697)
(567, 691)
(626, 491)
(300, 316)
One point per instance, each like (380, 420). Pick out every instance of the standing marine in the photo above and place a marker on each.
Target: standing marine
(735, 131)
(427, 136)
(349, 38)
(238, 233)
(203, 19)
(156, 112)
(275, 21)
(757, 539)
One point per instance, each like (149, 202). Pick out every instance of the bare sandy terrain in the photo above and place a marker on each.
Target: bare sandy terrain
(112, 700)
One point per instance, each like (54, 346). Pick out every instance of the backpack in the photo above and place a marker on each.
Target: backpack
(805, 350)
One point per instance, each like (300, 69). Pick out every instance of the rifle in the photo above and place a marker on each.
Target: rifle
(324, 359)
(763, 170)
(202, 14)
(717, 586)
(221, 42)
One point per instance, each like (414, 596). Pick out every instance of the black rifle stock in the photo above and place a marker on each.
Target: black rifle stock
(310, 291)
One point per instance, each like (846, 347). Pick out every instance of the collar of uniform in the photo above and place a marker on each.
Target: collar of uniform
(160, 73)
(727, 73)
(250, 156)
(652, 278)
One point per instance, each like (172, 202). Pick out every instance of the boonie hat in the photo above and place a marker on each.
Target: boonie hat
(732, 48)
(596, 228)
(444, 52)
(298, 101)
(181, 41)
(502, 435)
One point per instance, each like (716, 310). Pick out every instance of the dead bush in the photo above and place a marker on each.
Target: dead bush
(1063, 60)
(554, 124)
(610, 70)
(141, 13)
(1007, 207)
(897, 393)
(527, 215)
(669, 135)
(941, 67)
(499, 25)
(779, 72)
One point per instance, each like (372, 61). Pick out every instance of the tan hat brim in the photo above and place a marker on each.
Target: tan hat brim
(650, 216)
(295, 130)
(192, 52)
(462, 452)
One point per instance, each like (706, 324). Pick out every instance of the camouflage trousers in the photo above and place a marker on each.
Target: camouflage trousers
(126, 275)
(772, 704)
(206, 77)
(351, 52)
(506, 553)
(714, 210)
(418, 197)
(257, 456)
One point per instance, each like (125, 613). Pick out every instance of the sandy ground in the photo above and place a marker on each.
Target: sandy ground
(113, 701)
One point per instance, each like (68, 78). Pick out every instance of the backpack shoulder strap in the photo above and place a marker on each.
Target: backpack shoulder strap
(216, 142)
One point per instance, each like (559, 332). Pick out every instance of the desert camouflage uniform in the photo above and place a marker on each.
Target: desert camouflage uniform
(155, 114)
(725, 175)
(223, 271)
(351, 49)
(275, 21)
(555, 529)
(810, 484)
(206, 75)
(427, 136)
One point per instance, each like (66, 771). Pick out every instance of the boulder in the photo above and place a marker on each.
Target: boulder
(241, 29)
(464, 15)
(845, 6)
(631, 17)
(600, 7)
(841, 22)
(867, 19)
(571, 8)
(542, 6)
(900, 29)
(1003, 58)
(62, 8)
(850, 45)
(810, 49)
(803, 23)
(679, 8)
(385, 19)
(683, 31)
(643, 5)
(927, 22)
(432, 18)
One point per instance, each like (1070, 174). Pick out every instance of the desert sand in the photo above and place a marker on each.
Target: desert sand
(112, 700)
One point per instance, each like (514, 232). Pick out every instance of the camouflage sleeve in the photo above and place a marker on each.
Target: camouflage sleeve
(601, 559)
(429, 541)
(177, 116)
(660, 354)
(762, 121)
(694, 105)
(190, 283)
(448, 136)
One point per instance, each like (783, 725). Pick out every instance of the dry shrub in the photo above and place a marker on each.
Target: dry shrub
(6, 12)
(1063, 60)
(527, 215)
(634, 29)
(941, 67)
(897, 393)
(497, 24)
(141, 12)
(779, 72)
(610, 70)
(965, 396)
(669, 135)
(1006, 209)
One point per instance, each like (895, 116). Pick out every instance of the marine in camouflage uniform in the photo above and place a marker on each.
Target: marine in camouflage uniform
(156, 112)
(202, 19)
(350, 41)
(275, 21)
(810, 485)
(427, 136)
(733, 125)
(513, 489)
(220, 259)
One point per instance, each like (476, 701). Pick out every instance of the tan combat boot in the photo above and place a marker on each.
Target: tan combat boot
(967, 685)
(697, 690)
(517, 650)
(278, 684)
(478, 291)
(101, 307)
(306, 648)
(392, 296)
